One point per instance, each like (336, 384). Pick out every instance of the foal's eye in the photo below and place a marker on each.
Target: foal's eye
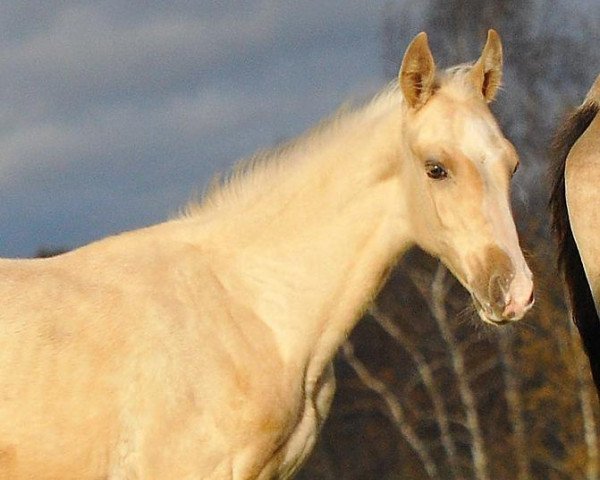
(436, 171)
(516, 168)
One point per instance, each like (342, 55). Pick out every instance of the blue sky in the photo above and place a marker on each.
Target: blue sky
(114, 113)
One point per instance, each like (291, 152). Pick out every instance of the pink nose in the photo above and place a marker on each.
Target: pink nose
(519, 302)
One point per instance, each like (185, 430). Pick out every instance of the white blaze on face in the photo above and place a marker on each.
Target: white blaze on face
(495, 159)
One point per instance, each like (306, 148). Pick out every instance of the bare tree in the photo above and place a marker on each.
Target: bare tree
(439, 291)
(395, 408)
(515, 404)
(426, 374)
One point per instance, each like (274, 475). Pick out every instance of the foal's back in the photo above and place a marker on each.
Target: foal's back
(61, 355)
(104, 371)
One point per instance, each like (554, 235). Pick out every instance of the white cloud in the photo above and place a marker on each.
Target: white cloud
(83, 52)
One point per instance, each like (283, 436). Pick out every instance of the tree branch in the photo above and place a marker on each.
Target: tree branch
(394, 407)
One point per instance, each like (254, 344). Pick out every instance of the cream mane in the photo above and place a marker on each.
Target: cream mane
(252, 176)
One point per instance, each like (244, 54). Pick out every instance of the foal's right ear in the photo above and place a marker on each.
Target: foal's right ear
(417, 73)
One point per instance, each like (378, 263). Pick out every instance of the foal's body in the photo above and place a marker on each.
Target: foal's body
(239, 363)
(202, 347)
(151, 359)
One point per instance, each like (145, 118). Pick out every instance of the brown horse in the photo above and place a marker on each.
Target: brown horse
(576, 219)
(202, 347)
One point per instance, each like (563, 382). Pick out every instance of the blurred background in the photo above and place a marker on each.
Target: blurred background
(114, 114)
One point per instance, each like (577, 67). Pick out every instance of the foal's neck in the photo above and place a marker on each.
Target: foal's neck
(317, 235)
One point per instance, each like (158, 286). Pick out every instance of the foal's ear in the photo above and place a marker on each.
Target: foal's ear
(487, 71)
(417, 73)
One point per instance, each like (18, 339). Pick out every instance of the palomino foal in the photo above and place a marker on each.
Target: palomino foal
(574, 204)
(201, 348)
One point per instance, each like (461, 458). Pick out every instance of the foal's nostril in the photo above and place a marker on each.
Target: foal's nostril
(497, 292)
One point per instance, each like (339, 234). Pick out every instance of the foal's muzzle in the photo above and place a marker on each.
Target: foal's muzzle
(509, 298)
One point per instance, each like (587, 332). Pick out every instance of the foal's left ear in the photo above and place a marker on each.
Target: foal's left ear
(417, 73)
(487, 71)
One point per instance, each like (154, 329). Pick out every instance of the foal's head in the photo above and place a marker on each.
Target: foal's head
(458, 171)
